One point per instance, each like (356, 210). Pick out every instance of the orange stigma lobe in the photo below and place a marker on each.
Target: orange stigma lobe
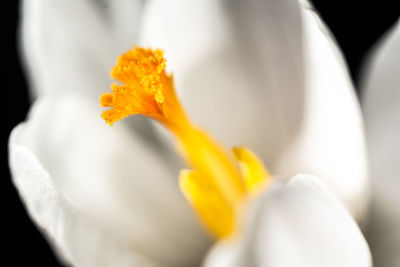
(143, 89)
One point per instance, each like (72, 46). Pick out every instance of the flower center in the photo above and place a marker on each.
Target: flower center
(220, 181)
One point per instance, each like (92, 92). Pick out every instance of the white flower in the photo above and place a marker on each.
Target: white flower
(265, 74)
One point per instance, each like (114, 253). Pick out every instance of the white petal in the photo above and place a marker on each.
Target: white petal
(331, 141)
(299, 224)
(78, 241)
(115, 175)
(267, 75)
(66, 43)
(381, 104)
(125, 19)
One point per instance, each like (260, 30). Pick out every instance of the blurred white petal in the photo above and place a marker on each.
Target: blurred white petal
(381, 104)
(331, 142)
(114, 175)
(299, 224)
(266, 74)
(77, 240)
(65, 43)
(125, 20)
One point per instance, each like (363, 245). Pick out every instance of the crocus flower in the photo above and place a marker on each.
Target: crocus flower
(265, 74)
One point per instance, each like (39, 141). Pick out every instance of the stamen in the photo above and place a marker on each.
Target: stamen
(216, 186)
(255, 175)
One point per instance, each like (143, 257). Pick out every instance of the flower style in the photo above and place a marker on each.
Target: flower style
(263, 74)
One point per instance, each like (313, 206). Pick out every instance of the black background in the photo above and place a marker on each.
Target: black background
(356, 25)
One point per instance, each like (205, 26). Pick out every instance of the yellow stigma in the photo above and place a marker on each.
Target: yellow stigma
(219, 181)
